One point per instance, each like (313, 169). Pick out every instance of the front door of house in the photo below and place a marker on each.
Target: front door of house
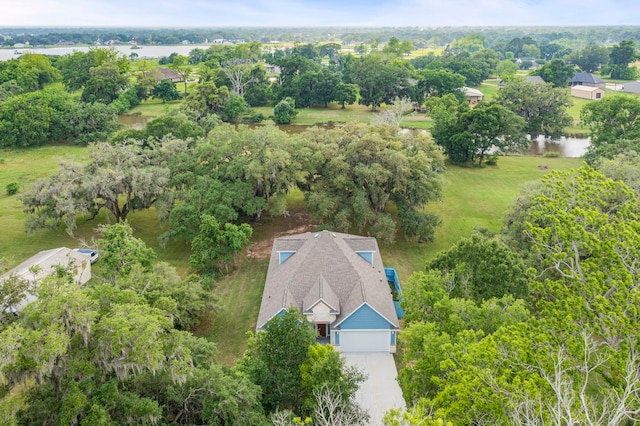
(322, 330)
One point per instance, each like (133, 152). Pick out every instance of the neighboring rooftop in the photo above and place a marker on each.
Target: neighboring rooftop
(585, 78)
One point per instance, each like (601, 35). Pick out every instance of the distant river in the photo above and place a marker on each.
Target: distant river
(143, 52)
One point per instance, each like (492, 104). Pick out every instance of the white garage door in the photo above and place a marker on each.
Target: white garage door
(364, 341)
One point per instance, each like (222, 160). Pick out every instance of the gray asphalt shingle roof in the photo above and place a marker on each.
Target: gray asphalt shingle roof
(585, 78)
(326, 266)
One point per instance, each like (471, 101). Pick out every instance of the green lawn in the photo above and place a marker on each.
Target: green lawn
(472, 196)
(489, 88)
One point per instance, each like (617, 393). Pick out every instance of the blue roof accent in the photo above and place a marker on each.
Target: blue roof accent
(284, 255)
(365, 318)
(366, 255)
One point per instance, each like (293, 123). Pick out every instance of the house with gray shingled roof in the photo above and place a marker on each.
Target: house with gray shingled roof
(339, 283)
(586, 79)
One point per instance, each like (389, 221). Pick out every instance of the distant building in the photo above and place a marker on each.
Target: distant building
(473, 95)
(535, 79)
(46, 263)
(530, 78)
(167, 74)
(586, 79)
(587, 92)
(631, 87)
(533, 62)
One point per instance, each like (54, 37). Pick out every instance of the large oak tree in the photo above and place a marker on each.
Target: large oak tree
(119, 178)
(357, 171)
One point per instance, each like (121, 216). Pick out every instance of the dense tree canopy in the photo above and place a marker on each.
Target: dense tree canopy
(521, 368)
(357, 170)
(467, 134)
(380, 80)
(438, 83)
(108, 353)
(543, 108)
(35, 118)
(613, 119)
(622, 54)
(590, 58)
(292, 381)
(29, 72)
(556, 72)
(216, 247)
(480, 268)
(234, 173)
(76, 67)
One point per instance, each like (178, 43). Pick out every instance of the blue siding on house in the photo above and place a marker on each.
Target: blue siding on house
(392, 276)
(284, 255)
(366, 255)
(393, 337)
(365, 318)
(336, 338)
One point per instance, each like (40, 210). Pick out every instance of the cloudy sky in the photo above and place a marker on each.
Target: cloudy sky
(270, 13)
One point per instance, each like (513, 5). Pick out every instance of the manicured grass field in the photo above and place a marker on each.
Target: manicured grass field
(472, 197)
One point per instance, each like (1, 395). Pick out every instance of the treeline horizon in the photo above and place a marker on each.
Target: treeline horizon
(422, 37)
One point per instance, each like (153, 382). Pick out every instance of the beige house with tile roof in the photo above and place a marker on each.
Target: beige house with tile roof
(338, 282)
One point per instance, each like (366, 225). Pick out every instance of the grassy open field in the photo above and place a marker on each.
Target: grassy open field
(334, 113)
(472, 197)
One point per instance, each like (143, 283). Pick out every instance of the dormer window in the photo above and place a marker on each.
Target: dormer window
(366, 255)
(284, 255)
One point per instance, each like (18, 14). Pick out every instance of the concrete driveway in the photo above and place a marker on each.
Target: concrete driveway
(380, 392)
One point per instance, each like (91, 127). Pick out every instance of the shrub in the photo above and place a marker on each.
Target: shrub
(256, 117)
(12, 188)
(285, 111)
(551, 154)
(491, 160)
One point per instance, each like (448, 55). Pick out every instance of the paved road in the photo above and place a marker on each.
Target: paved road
(380, 392)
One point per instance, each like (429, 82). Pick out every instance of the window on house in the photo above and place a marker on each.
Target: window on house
(284, 255)
(366, 255)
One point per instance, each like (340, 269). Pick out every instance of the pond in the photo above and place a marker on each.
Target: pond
(137, 122)
(566, 146)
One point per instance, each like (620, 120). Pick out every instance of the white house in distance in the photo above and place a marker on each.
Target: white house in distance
(338, 282)
(45, 263)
